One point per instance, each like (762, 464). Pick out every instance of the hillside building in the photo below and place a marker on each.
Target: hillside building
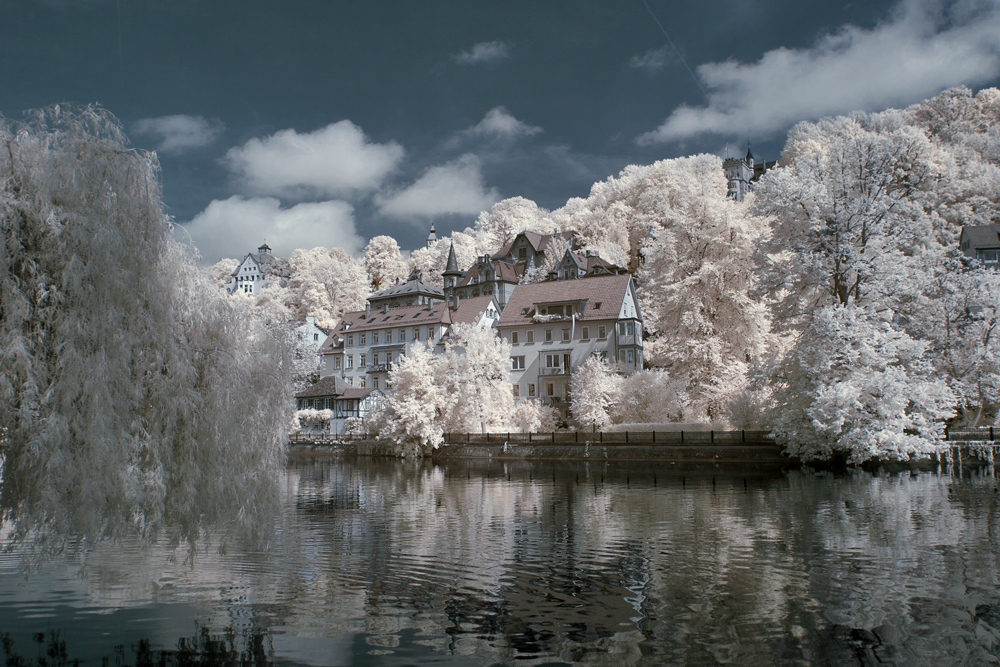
(256, 271)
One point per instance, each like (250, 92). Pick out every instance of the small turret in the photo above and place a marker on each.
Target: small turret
(451, 273)
(432, 237)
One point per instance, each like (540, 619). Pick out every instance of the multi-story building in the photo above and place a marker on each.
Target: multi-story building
(576, 264)
(529, 247)
(981, 242)
(488, 276)
(741, 172)
(255, 272)
(555, 326)
(364, 344)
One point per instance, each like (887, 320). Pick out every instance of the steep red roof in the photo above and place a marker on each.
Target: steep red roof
(402, 316)
(505, 270)
(608, 291)
(469, 310)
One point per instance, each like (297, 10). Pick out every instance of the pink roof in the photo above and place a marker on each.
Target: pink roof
(608, 291)
(470, 310)
(505, 270)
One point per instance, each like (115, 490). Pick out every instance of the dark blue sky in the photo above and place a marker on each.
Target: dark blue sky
(325, 123)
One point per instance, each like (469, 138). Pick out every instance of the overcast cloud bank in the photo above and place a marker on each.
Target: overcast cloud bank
(922, 48)
(453, 188)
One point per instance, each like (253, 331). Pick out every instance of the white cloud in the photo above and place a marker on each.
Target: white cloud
(177, 134)
(456, 187)
(332, 161)
(652, 61)
(499, 123)
(922, 48)
(235, 226)
(483, 52)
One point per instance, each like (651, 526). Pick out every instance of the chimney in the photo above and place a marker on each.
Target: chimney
(454, 301)
(368, 310)
(385, 309)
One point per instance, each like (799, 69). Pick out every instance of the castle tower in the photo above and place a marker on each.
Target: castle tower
(432, 237)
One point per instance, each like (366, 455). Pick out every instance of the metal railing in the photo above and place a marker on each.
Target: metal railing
(675, 438)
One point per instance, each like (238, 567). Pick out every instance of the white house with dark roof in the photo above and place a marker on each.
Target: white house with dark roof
(342, 400)
(981, 242)
(364, 344)
(255, 272)
(555, 326)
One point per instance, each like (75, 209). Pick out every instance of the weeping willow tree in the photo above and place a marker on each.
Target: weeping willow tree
(134, 398)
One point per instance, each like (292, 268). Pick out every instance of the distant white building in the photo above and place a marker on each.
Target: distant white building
(310, 334)
(255, 272)
(741, 172)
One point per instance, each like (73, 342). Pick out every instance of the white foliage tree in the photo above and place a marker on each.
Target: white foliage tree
(384, 263)
(705, 326)
(595, 389)
(326, 283)
(855, 384)
(476, 368)
(650, 396)
(416, 403)
(135, 397)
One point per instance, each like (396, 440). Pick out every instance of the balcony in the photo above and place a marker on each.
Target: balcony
(379, 368)
(555, 370)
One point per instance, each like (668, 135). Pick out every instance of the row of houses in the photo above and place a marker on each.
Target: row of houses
(584, 306)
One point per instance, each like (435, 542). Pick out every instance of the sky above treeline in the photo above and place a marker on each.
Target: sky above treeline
(313, 123)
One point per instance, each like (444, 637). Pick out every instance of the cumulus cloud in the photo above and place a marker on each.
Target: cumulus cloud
(652, 61)
(922, 48)
(177, 134)
(483, 52)
(333, 161)
(456, 187)
(498, 122)
(235, 226)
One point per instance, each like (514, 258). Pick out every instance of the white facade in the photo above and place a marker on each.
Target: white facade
(253, 273)
(554, 327)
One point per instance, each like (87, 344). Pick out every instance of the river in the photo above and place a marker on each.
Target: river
(391, 563)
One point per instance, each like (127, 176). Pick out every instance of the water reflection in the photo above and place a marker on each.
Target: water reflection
(388, 563)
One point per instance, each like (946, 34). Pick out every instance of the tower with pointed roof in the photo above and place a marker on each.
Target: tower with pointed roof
(432, 237)
(451, 274)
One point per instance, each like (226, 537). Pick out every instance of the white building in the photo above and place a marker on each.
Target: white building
(555, 326)
(254, 272)
(364, 344)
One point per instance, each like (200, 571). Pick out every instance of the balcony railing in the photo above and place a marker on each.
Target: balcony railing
(379, 368)
(556, 370)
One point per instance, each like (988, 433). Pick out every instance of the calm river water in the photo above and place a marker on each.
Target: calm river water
(388, 563)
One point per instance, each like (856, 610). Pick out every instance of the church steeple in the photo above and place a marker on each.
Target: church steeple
(432, 237)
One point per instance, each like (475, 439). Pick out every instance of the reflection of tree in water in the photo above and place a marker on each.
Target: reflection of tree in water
(231, 648)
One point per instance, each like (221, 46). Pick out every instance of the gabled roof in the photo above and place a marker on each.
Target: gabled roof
(469, 310)
(608, 291)
(589, 262)
(538, 241)
(504, 270)
(334, 387)
(410, 287)
(982, 236)
(402, 316)
(265, 261)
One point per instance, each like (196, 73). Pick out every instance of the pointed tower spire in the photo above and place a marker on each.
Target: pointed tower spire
(432, 237)
(451, 273)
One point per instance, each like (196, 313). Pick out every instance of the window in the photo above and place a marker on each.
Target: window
(621, 356)
(336, 361)
(550, 389)
(553, 361)
(517, 390)
(513, 337)
(350, 361)
(531, 390)
(602, 332)
(362, 364)
(629, 330)
(565, 334)
(375, 358)
(316, 337)
(350, 340)
(621, 328)
(597, 305)
(402, 335)
(524, 311)
(374, 337)
(364, 383)
(416, 333)
(375, 382)
(586, 333)
(548, 335)
(362, 339)
(329, 403)
(388, 358)
(531, 336)
(630, 358)
(522, 253)
(388, 336)
(517, 363)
